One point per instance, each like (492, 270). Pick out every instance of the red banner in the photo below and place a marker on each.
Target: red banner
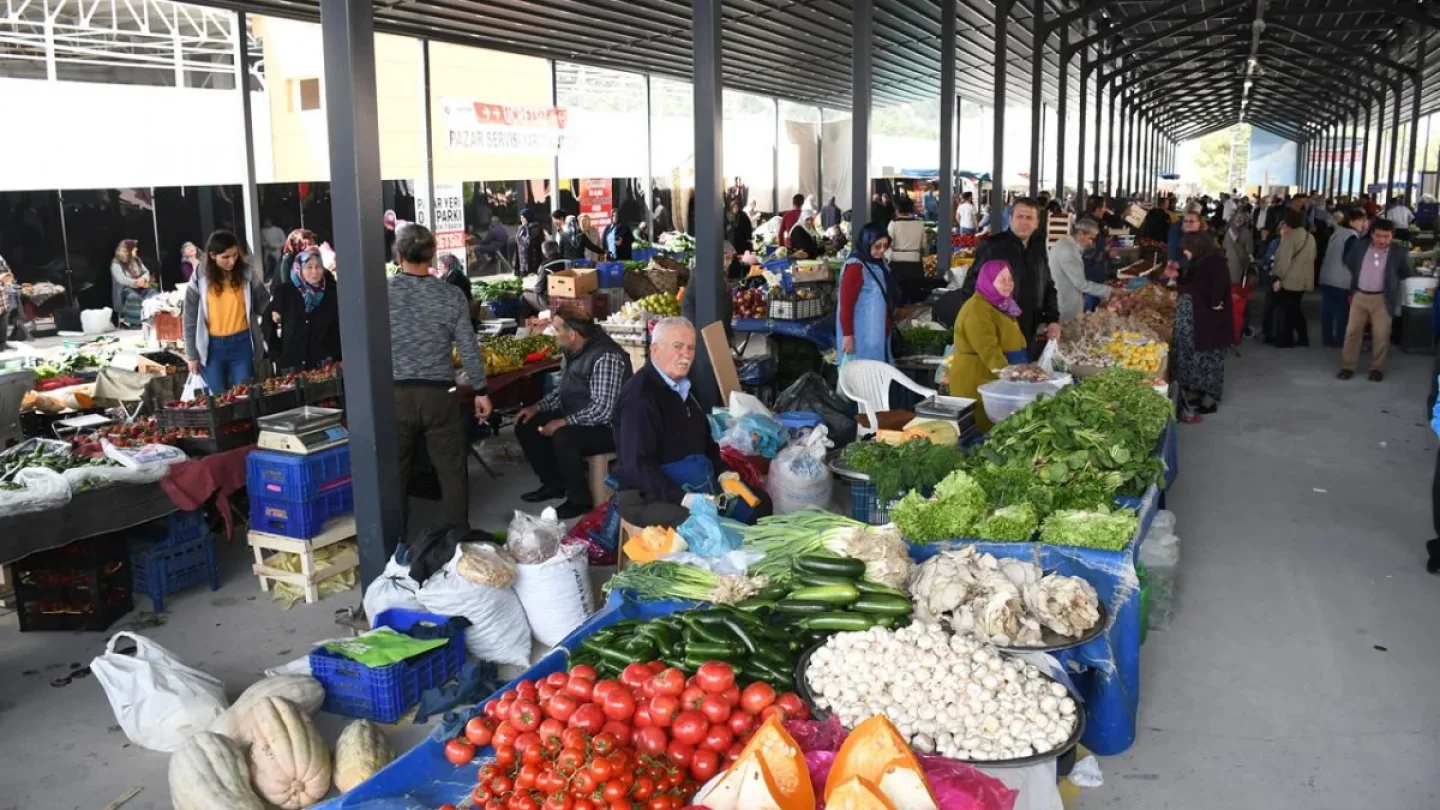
(596, 200)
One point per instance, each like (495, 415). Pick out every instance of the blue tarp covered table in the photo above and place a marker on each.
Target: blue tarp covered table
(820, 331)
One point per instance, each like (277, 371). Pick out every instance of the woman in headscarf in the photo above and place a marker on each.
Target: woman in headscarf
(741, 231)
(575, 244)
(189, 260)
(1204, 328)
(131, 283)
(528, 240)
(987, 335)
(298, 241)
(224, 306)
(1239, 244)
(307, 314)
(804, 239)
(865, 317)
(753, 212)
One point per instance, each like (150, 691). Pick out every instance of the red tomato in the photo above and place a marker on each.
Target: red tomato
(492, 710)
(547, 691)
(589, 718)
(669, 681)
(716, 676)
(525, 779)
(734, 753)
(691, 698)
(715, 709)
(526, 803)
(756, 697)
(772, 711)
(656, 667)
(559, 800)
(603, 689)
(582, 803)
(561, 706)
(660, 803)
(479, 796)
(613, 792)
(680, 753)
(557, 679)
(478, 733)
(525, 715)
(574, 738)
(505, 735)
(663, 710)
(580, 689)
(644, 789)
(619, 704)
(635, 675)
(601, 769)
(650, 741)
(527, 740)
(570, 761)
(583, 783)
(500, 785)
(622, 732)
(494, 804)
(527, 690)
(551, 734)
(604, 743)
(453, 807)
(642, 718)
(740, 723)
(618, 805)
(472, 798)
(718, 738)
(791, 703)
(704, 764)
(459, 751)
(732, 695)
(689, 727)
(583, 671)
(505, 756)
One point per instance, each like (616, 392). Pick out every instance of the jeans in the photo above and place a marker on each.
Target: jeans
(231, 361)
(1334, 313)
(559, 459)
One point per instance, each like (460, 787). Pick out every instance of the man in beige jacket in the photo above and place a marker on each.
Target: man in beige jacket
(1294, 274)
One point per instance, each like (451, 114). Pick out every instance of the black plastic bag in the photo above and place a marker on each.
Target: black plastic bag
(811, 393)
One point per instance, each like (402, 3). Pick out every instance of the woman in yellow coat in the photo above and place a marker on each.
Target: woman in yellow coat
(987, 335)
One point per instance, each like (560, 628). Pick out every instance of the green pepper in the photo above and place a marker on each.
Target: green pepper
(741, 635)
(697, 630)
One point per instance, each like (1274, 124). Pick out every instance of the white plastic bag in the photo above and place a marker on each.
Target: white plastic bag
(532, 540)
(498, 631)
(392, 589)
(556, 594)
(194, 384)
(798, 477)
(1052, 360)
(157, 699)
(40, 488)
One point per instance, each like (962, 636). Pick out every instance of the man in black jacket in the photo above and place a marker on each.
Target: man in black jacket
(1023, 248)
(574, 420)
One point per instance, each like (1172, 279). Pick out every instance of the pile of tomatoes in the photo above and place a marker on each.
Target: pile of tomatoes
(644, 742)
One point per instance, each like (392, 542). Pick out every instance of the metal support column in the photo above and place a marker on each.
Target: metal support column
(775, 166)
(1332, 144)
(709, 208)
(946, 224)
(347, 33)
(820, 159)
(555, 161)
(1394, 151)
(427, 183)
(862, 58)
(1061, 108)
(249, 191)
(1110, 139)
(649, 185)
(1081, 130)
(1365, 150)
(1040, 33)
(1415, 117)
(997, 171)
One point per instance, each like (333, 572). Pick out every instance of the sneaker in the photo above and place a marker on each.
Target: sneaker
(570, 509)
(1344, 374)
(1376, 375)
(543, 494)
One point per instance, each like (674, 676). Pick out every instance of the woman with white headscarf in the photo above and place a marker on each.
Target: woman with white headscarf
(803, 238)
(753, 212)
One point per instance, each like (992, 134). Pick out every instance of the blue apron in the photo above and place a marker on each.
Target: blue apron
(872, 310)
(693, 474)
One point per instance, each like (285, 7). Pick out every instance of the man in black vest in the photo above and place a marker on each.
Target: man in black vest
(574, 420)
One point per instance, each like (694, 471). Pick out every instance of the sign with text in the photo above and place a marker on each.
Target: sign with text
(449, 217)
(507, 128)
(596, 200)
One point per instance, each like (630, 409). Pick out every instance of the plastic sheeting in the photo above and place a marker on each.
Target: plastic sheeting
(820, 331)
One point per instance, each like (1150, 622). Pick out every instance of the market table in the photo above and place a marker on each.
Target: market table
(501, 381)
(820, 331)
(89, 513)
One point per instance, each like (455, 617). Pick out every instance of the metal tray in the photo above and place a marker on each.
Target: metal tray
(833, 462)
(802, 688)
(305, 419)
(1054, 642)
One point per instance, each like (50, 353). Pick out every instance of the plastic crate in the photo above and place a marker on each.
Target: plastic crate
(301, 520)
(232, 437)
(802, 310)
(865, 504)
(174, 563)
(385, 694)
(210, 418)
(612, 274)
(82, 586)
(283, 400)
(290, 477)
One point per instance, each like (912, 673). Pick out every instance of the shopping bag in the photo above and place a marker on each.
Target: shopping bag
(1052, 360)
(157, 699)
(194, 384)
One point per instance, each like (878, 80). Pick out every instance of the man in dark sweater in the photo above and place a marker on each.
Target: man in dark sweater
(574, 420)
(663, 434)
(429, 318)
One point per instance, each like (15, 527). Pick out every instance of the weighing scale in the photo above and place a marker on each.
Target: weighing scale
(303, 431)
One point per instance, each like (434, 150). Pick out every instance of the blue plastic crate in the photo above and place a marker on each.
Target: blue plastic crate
(642, 254)
(301, 520)
(288, 477)
(865, 505)
(612, 274)
(171, 555)
(384, 694)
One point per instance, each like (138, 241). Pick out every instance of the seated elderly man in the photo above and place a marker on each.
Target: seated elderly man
(574, 420)
(667, 457)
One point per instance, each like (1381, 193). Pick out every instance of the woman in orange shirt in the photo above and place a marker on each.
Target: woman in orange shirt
(223, 304)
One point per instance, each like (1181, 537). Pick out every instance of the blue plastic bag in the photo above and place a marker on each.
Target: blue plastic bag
(706, 533)
(755, 434)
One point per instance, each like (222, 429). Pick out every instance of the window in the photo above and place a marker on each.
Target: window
(309, 94)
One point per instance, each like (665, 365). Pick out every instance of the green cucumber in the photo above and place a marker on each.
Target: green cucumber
(883, 604)
(775, 658)
(829, 594)
(761, 670)
(756, 605)
(866, 586)
(794, 607)
(742, 635)
(775, 591)
(885, 621)
(838, 621)
(825, 579)
(829, 566)
(707, 650)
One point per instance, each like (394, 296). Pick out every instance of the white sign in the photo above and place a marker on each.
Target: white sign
(507, 128)
(449, 218)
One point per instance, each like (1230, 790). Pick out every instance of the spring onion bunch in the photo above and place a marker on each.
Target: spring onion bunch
(782, 538)
(662, 579)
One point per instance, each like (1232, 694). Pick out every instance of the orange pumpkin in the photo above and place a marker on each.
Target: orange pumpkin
(770, 774)
(875, 752)
(857, 794)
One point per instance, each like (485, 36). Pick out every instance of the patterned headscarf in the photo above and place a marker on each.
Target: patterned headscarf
(298, 240)
(133, 267)
(312, 293)
(985, 285)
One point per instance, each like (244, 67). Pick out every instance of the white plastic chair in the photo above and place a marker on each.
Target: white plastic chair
(867, 383)
(14, 385)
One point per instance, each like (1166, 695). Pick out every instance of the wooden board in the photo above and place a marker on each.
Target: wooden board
(717, 347)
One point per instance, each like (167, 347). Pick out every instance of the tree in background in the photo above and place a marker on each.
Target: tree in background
(1217, 169)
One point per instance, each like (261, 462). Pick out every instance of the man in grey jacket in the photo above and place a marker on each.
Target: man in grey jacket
(1335, 278)
(1067, 266)
(1376, 267)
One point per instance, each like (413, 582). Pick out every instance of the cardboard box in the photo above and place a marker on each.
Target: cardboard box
(572, 283)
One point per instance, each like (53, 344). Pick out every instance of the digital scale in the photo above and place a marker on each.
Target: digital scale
(303, 431)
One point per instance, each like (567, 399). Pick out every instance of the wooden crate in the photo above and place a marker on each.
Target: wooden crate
(335, 531)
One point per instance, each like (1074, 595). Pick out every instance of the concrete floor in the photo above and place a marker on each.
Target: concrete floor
(1297, 672)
